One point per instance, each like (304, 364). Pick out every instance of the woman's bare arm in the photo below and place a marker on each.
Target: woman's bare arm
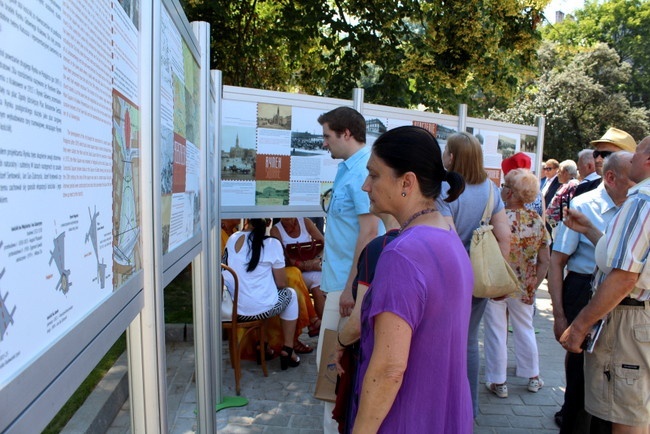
(385, 373)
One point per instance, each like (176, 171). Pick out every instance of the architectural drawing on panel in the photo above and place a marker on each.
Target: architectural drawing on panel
(6, 317)
(128, 231)
(58, 256)
(92, 236)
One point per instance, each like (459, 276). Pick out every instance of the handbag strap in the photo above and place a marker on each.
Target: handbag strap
(487, 212)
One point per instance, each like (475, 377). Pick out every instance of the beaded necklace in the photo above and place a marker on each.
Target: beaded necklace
(416, 215)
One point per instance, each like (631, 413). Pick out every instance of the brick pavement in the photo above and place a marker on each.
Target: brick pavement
(283, 401)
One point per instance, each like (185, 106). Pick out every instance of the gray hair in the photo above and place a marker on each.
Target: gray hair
(570, 166)
(585, 156)
(618, 162)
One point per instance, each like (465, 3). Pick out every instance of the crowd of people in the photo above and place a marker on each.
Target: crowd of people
(395, 279)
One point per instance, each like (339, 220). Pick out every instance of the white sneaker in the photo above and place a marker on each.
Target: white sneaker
(500, 390)
(534, 384)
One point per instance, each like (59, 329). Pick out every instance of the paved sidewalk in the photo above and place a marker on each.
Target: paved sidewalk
(283, 401)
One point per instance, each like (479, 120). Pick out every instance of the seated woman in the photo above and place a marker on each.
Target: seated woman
(300, 230)
(258, 261)
(529, 258)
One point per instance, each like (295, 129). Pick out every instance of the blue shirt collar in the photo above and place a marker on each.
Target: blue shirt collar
(357, 157)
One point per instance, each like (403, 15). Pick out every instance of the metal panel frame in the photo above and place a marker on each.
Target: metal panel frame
(204, 262)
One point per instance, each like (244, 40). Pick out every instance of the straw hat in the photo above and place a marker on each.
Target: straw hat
(517, 161)
(618, 138)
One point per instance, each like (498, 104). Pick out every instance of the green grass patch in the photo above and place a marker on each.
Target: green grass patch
(178, 299)
(178, 310)
(77, 399)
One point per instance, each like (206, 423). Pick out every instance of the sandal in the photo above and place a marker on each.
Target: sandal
(302, 348)
(287, 360)
(268, 353)
(314, 328)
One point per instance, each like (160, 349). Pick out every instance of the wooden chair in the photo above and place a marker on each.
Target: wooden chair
(233, 326)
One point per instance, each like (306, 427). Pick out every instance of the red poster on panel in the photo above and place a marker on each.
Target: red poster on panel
(180, 165)
(272, 167)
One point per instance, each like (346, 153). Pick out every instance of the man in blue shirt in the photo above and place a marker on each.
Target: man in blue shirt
(571, 293)
(350, 226)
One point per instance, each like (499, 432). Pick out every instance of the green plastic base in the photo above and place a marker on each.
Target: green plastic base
(232, 401)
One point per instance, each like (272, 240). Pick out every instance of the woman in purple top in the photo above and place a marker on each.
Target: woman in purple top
(415, 315)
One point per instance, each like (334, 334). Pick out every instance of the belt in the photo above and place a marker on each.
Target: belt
(583, 275)
(627, 301)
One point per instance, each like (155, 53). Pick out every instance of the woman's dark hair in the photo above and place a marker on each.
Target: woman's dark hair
(256, 241)
(414, 149)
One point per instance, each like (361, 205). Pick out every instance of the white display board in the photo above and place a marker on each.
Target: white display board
(71, 161)
(180, 136)
(69, 184)
(273, 163)
(501, 140)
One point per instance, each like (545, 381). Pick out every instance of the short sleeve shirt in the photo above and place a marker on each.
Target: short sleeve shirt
(599, 208)
(348, 202)
(368, 260)
(529, 234)
(424, 276)
(627, 241)
(258, 292)
(467, 210)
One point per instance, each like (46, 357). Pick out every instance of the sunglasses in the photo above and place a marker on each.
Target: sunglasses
(325, 200)
(548, 168)
(603, 154)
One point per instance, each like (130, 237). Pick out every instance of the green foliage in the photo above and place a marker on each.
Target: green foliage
(581, 96)
(178, 299)
(623, 25)
(405, 53)
(478, 53)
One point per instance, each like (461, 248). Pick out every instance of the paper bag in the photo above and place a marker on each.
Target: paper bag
(326, 382)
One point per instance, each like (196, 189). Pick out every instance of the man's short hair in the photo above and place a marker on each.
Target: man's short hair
(345, 118)
(585, 156)
(616, 163)
(553, 163)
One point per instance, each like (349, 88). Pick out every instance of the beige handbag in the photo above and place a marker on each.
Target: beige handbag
(493, 276)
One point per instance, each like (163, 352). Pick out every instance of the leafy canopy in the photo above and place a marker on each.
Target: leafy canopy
(623, 25)
(581, 96)
(403, 53)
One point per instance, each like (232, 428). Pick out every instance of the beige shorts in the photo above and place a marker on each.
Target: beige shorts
(617, 373)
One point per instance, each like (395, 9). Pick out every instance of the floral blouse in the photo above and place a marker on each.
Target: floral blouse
(528, 235)
(563, 195)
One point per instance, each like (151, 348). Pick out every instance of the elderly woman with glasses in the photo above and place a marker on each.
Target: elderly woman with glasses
(567, 177)
(415, 315)
(529, 258)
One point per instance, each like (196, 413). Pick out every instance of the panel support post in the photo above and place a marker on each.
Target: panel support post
(146, 334)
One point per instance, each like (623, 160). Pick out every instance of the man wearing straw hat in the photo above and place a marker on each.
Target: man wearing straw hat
(614, 140)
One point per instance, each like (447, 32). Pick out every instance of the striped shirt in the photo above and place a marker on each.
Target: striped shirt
(627, 241)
